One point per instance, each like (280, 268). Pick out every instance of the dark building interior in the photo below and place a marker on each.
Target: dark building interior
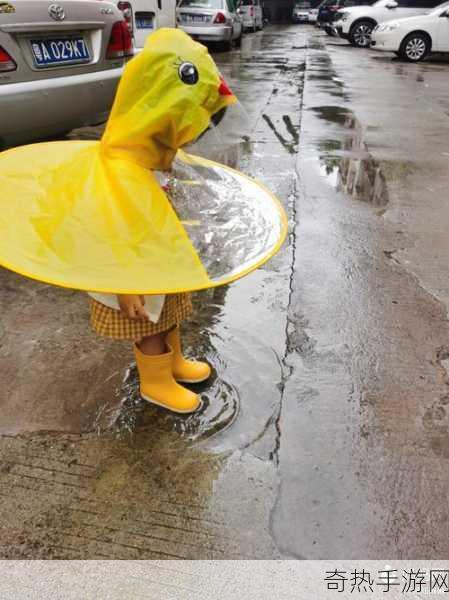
(278, 11)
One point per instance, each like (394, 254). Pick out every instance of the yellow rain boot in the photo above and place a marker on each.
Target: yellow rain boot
(158, 386)
(186, 371)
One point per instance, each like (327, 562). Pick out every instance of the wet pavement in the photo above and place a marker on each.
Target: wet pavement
(324, 431)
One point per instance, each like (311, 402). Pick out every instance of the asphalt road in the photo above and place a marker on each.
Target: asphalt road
(325, 431)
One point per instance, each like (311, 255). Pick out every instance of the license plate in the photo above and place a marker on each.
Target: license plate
(144, 23)
(59, 51)
(195, 18)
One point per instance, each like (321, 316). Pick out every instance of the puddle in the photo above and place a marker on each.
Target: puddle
(220, 399)
(291, 145)
(347, 163)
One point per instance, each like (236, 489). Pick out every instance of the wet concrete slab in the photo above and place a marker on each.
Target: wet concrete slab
(363, 459)
(324, 429)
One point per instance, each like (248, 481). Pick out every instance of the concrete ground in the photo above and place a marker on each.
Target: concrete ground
(325, 428)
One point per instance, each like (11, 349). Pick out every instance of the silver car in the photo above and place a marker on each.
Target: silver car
(251, 11)
(59, 65)
(211, 21)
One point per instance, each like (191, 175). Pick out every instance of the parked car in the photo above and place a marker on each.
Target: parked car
(59, 66)
(330, 12)
(357, 23)
(313, 12)
(252, 15)
(211, 21)
(300, 13)
(145, 16)
(414, 38)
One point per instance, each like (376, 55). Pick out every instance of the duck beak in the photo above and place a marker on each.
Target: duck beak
(224, 90)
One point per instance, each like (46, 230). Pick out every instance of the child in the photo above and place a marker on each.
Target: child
(93, 215)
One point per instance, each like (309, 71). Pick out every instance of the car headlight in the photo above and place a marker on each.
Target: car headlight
(388, 26)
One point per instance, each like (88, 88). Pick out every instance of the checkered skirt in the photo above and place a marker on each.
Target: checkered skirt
(111, 323)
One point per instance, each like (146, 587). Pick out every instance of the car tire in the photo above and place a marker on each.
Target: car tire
(360, 33)
(415, 47)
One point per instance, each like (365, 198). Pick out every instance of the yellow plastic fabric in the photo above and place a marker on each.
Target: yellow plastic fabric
(91, 215)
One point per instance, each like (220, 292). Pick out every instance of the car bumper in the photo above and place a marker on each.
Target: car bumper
(37, 109)
(300, 18)
(384, 42)
(214, 33)
(339, 29)
(342, 28)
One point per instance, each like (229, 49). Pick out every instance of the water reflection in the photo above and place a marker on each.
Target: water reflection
(347, 163)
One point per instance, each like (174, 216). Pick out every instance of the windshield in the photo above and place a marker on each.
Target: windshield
(303, 4)
(439, 9)
(202, 3)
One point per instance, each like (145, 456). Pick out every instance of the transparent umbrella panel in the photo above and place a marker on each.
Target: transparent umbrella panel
(233, 222)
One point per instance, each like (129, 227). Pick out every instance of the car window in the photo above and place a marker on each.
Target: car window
(429, 4)
(440, 8)
(303, 4)
(202, 3)
(246, 3)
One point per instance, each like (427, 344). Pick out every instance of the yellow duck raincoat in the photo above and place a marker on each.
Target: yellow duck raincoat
(92, 215)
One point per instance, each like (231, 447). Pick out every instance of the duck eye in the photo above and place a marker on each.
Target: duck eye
(188, 73)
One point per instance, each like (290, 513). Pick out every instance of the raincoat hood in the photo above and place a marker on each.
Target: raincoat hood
(165, 100)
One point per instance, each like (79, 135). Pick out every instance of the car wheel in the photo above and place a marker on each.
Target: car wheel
(415, 47)
(360, 34)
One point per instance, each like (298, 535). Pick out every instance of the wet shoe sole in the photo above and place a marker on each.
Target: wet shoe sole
(179, 412)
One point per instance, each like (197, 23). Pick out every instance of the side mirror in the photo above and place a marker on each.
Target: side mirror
(445, 14)
(391, 5)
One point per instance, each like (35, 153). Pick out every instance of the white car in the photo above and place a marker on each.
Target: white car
(301, 10)
(211, 21)
(416, 37)
(251, 13)
(145, 16)
(356, 23)
(60, 63)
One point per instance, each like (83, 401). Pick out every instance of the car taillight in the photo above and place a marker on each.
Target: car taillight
(120, 42)
(333, 8)
(251, 11)
(220, 18)
(127, 11)
(6, 62)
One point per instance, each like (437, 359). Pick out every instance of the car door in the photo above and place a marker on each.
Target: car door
(410, 8)
(442, 26)
(235, 17)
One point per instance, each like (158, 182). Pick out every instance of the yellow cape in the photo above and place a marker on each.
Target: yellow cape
(92, 215)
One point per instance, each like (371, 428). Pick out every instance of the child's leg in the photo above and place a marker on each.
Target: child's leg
(154, 361)
(152, 345)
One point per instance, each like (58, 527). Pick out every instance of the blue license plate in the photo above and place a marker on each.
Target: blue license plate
(59, 51)
(145, 23)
